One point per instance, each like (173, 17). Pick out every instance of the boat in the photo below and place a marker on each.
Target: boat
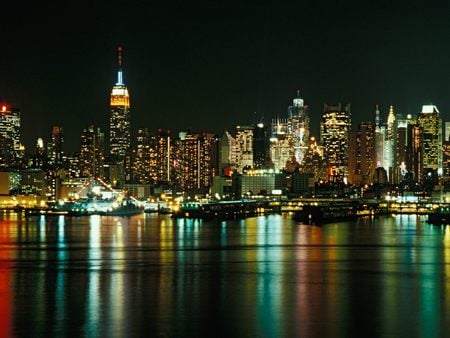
(219, 209)
(440, 216)
(326, 213)
(151, 207)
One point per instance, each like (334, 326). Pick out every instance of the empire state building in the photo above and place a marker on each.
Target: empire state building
(119, 121)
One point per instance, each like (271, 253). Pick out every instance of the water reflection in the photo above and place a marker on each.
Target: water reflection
(265, 276)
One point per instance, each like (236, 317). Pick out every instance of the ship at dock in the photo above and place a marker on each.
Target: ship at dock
(101, 199)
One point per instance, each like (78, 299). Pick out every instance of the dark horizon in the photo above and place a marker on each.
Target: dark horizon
(213, 67)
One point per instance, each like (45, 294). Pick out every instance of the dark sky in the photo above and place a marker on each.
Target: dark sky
(211, 67)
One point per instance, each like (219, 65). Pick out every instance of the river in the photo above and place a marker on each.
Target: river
(150, 275)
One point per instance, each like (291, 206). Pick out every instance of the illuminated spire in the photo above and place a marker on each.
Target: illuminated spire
(391, 124)
(119, 65)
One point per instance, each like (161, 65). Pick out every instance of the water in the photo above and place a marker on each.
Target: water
(152, 276)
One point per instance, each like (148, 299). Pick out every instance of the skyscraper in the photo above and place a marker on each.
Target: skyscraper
(334, 134)
(260, 146)
(141, 161)
(56, 147)
(430, 121)
(91, 152)
(243, 150)
(120, 123)
(298, 125)
(198, 166)
(362, 159)
(390, 145)
(9, 135)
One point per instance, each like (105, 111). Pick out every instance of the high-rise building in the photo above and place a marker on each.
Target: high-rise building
(334, 134)
(313, 162)
(402, 147)
(447, 132)
(120, 123)
(9, 136)
(380, 132)
(243, 150)
(260, 146)
(198, 168)
(290, 136)
(389, 151)
(362, 159)
(55, 150)
(414, 151)
(141, 162)
(298, 127)
(91, 152)
(281, 143)
(430, 121)
(163, 155)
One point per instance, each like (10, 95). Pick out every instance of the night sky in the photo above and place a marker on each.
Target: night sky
(212, 67)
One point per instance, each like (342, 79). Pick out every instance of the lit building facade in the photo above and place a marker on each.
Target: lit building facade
(260, 146)
(334, 133)
(243, 148)
(389, 160)
(163, 156)
(142, 157)
(10, 146)
(91, 156)
(120, 123)
(55, 150)
(299, 127)
(362, 159)
(313, 163)
(430, 121)
(290, 136)
(198, 154)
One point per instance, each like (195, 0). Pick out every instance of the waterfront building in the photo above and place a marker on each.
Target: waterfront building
(430, 121)
(91, 156)
(33, 181)
(334, 133)
(120, 123)
(10, 146)
(9, 182)
(260, 182)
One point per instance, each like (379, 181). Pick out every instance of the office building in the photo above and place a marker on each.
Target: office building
(334, 134)
(120, 124)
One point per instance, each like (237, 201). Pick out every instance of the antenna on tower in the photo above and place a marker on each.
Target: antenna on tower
(119, 64)
(119, 56)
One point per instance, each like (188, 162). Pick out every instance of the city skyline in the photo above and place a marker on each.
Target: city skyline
(222, 67)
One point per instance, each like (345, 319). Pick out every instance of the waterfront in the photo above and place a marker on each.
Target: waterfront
(150, 275)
